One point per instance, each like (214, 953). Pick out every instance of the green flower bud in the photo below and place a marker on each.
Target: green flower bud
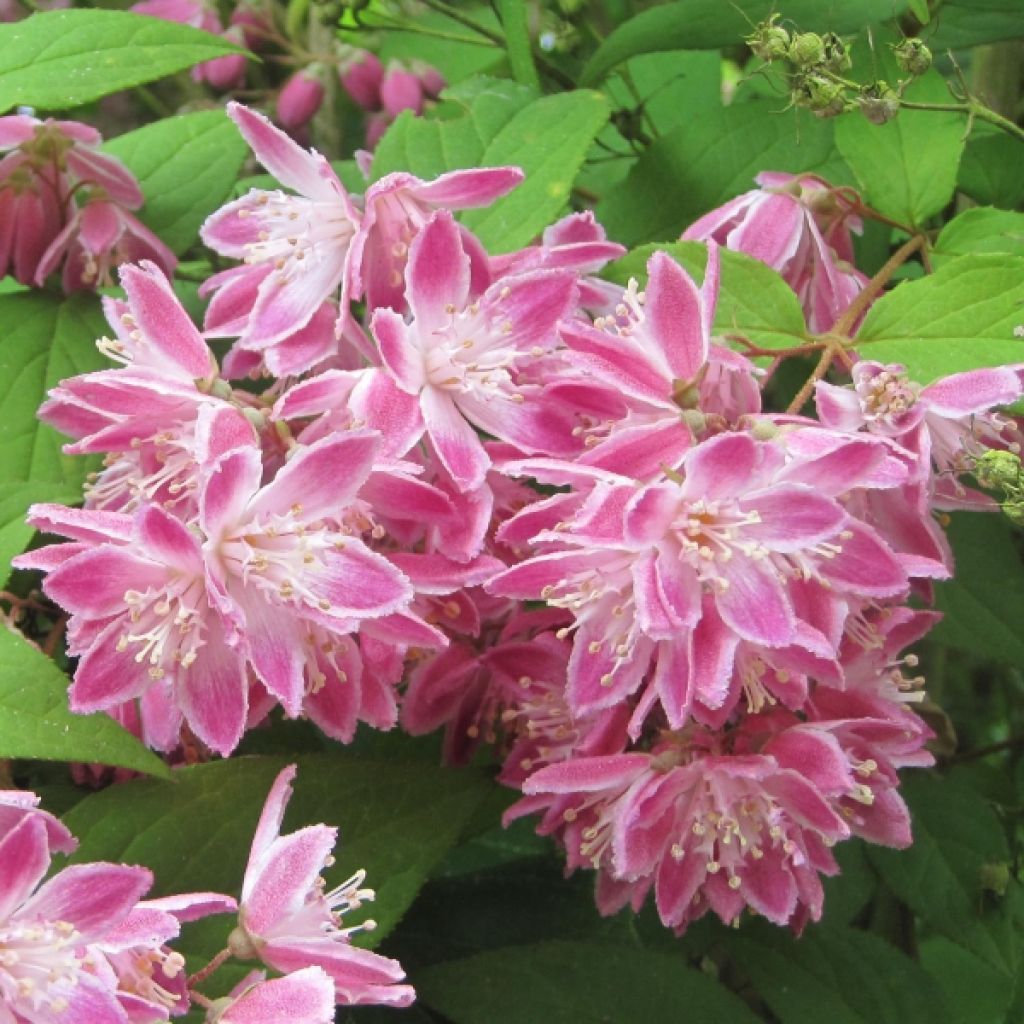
(806, 50)
(879, 102)
(815, 92)
(913, 56)
(837, 56)
(999, 469)
(769, 41)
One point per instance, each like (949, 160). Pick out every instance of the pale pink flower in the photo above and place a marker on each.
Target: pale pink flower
(799, 225)
(396, 209)
(289, 921)
(46, 931)
(461, 357)
(295, 247)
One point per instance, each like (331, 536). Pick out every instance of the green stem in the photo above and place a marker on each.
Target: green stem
(512, 15)
(971, 107)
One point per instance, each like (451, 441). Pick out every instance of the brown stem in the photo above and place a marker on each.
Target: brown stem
(54, 637)
(819, 371)
(204, 972)
(198, 997)
(991, 748)
(852, 314)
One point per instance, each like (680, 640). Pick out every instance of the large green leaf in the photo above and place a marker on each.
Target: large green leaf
(549, 140)
(396, 818)
(710, 25)
(959, 318)
(474, 113)
(35, 721)
(44, 341)
(753, 300)
(61, 59)
(576, 983)
(186, 166)
(963, 23)
(907, 168)
(990, 168)
(984, 602)
(942, 877)
(712, 158)
(841, 975)
(980, 229)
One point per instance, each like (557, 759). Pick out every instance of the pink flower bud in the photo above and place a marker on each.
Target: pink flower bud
(376, 125)
(226, 73)
(401, 90)
(362, 78)
(431, 79)
(300, 98)
(253, 22)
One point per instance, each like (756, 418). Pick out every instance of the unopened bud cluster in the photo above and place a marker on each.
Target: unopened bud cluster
(816, 66)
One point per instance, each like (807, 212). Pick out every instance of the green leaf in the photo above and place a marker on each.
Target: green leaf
(474, 113)
(15, 498)
(576, 983)
(61, 59)
(513, 15)
(44, 341)
(959, 318)
(907, 168)
(35, 720)
(975, 992)
(397, 819)
(842, 975)
(984, 602)
(941, 877)
(711, 25)
(980, 229)
(963, 23)
(753, 300)
(186, 167)
(712, 158)
(990, 169)
(549, 140)
(919, 9)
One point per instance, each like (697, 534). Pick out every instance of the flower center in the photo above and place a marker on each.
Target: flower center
(38, 965)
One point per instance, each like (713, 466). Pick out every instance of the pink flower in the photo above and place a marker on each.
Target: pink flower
(46, 931)
(16, 805)
(290, 922)
(461, 357)
(296, 247)
(672, 576)
(800, 226)
(302, 997)
(946, 424)
(98, 237)
(397, 207)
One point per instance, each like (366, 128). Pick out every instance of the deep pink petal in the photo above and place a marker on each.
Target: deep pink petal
(673, 316)
(457, 444)
(269, 826)
(438, 273)
(303, 997)
(25, 857)
(400, 356)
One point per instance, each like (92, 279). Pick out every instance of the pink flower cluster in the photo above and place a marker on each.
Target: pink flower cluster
(706, 690)
(64, 203)
(84, 947)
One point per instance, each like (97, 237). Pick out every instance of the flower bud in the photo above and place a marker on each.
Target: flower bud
(228, 72)
(879, 102)
(912, 56)
(806, 50)
(997, 468)
(300, 98)
(769, 42)
(837, 56)
(815, 92)
(361, 77)
(431, 79)
(401, 90)
(253, 21)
